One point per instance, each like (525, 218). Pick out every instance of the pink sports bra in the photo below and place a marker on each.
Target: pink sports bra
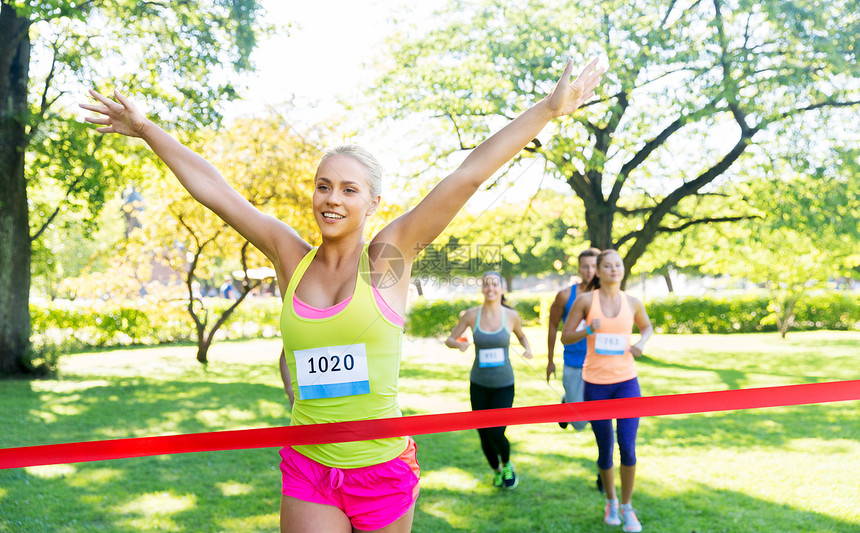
(308, 311)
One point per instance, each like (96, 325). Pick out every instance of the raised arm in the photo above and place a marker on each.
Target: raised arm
(414, 230)
(199, 177)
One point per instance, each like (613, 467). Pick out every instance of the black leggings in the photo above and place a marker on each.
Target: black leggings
(493, 441)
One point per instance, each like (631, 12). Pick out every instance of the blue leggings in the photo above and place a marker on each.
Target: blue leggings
(627, 427)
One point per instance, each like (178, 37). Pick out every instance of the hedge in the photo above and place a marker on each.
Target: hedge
(747, 313)
(107, 324)
(435, 318)
(751, 313)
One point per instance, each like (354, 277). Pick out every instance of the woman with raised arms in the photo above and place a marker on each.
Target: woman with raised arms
(341, 325)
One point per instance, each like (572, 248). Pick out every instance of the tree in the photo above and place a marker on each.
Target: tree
(535, 237)
(270, 166)
(180, 54)
(695, 91)
(808, 235)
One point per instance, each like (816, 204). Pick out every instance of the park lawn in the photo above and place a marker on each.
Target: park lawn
(778, 469)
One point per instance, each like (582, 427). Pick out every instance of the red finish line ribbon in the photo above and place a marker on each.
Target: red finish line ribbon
(673, 404)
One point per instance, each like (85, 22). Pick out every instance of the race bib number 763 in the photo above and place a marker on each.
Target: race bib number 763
(610, 343)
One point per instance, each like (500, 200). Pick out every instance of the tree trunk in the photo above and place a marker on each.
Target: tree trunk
(203, 350)
(785, 316)
(14, 210)
(598, 223)
(668, 278)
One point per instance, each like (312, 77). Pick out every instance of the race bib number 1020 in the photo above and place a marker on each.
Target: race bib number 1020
(332, 371)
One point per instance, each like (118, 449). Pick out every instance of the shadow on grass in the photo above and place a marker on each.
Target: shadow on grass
(759, 428)
(130, 407)
(738, 379)
(239, 490)
(186, 492)
(189, 492)
(557, 494)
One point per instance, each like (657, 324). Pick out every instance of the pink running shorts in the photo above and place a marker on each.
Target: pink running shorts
(372, 497)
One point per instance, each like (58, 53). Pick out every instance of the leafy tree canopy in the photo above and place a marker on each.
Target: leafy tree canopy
(695, 94)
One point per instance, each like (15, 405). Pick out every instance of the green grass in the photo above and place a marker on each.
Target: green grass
(779, 469)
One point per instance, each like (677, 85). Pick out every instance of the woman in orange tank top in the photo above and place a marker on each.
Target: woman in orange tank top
(609, 372)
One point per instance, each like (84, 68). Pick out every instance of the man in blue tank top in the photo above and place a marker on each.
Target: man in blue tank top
(574, 354)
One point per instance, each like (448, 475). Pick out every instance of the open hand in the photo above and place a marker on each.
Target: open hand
(117, 116)
(567, 96)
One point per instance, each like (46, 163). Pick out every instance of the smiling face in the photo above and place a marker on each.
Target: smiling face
(610, 268)
(491, 287)
(342, 198)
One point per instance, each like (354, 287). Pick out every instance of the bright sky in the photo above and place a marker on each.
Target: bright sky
(326, 56)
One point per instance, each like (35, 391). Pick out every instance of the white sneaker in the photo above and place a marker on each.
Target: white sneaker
(631, 523)
(611, 515)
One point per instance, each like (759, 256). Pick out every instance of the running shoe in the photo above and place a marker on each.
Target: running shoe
(509, 477)
(631, 523)
(497, 480)
(563, 425)
(611, 515)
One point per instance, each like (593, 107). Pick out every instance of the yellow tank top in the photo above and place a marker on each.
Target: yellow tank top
(343, 368)
(608, 359)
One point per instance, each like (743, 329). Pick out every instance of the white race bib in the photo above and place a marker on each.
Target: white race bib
(610, 343)
(581, 325)
(332, 371)
(490, 357)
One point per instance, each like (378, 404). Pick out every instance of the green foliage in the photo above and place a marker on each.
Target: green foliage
(747, 313)
(98, 325)
(827, 310)
(107, 324)
(750, 313)
(178, 54)
(695, 94)
(435, 318)
(539, 236)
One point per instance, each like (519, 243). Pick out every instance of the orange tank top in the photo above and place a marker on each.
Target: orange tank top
(608, 359)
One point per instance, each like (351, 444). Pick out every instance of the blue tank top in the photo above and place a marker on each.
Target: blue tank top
(574, 354)
(492, 366)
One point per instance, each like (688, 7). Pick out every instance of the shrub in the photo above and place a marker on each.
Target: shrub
(746, 313)
(749, 313)
(63, 328)
(99, 324)
(435, 318)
